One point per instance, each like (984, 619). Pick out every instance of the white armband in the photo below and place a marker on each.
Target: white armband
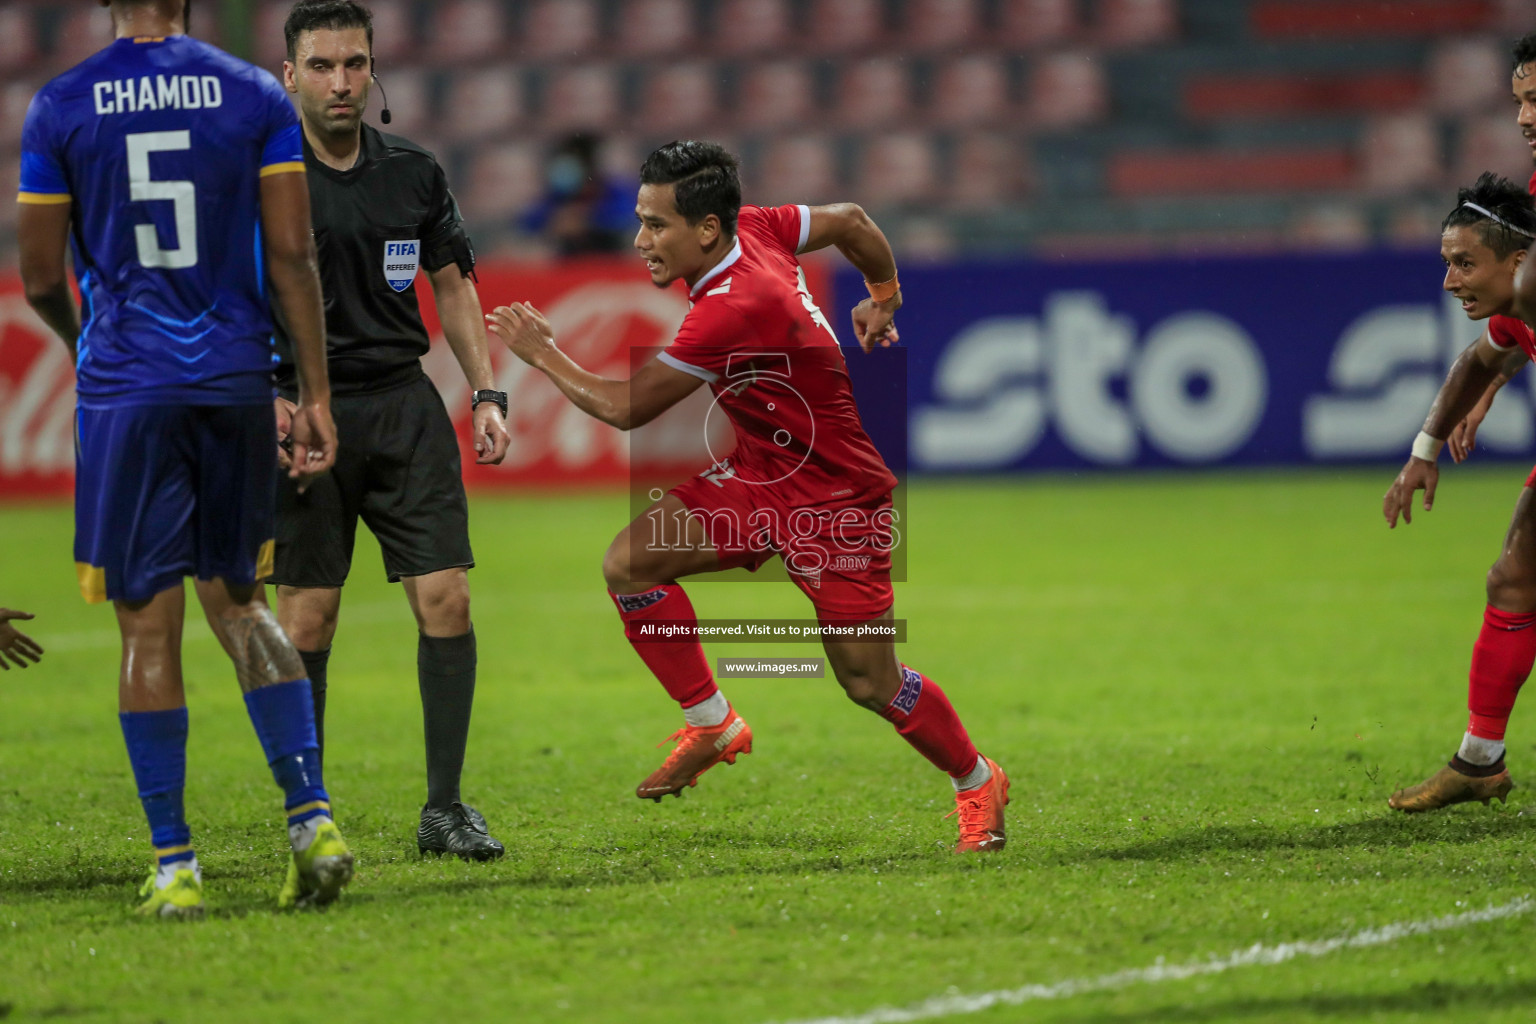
(1426, 447)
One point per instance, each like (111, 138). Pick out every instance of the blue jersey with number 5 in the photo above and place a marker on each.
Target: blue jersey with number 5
(159, 147)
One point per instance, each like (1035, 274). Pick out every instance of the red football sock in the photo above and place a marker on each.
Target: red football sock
(925, 718)
(679, 663)
(1501, 661)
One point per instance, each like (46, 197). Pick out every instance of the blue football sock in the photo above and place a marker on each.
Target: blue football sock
(284, 717)
(157, 749)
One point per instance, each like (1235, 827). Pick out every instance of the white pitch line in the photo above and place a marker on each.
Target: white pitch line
(1256, 955)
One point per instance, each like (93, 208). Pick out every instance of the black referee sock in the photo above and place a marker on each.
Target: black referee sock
(314, 666)
(445, 670)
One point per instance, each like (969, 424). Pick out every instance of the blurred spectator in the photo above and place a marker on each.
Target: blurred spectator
(582, 211)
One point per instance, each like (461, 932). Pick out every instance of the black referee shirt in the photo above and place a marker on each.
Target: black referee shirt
(375, 224)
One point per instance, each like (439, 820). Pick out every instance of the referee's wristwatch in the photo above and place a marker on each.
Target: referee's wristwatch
(499, 397)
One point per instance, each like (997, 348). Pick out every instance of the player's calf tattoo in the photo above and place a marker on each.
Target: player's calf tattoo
(259, 648)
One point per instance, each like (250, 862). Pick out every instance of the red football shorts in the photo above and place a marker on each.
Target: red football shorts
(840, 555)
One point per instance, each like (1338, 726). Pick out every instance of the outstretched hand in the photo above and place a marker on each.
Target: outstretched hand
(874, 323)
(15, 645)
(524, 330)
(1417, 475)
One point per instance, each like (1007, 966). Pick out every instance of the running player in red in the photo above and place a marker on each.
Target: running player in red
(807, 486)
(1483, 244)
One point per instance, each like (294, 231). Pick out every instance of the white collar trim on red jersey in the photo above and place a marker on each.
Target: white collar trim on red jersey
(719, 268)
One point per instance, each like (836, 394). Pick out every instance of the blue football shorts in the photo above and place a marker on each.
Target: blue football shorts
(163, 492)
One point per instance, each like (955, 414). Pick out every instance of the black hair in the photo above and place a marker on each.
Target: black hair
(1515, 226)
(1525, 51)
(309, 15)
(186, 9)
(706, 178)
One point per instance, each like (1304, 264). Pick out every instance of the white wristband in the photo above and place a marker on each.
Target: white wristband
(1426, 447)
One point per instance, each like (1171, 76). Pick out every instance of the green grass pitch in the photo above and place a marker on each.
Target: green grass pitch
(1204, 688)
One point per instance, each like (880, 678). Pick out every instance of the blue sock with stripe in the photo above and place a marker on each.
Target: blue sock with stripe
(284, 717)
(157, 749)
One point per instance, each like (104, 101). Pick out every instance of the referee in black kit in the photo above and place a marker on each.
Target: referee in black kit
(382, 210)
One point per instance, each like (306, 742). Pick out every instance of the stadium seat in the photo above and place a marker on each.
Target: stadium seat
(752, 26)
(410, 104)
(1250, 96)
(1512, 17)
(1067, 89)
(1032, 24)
(1136, 22)
(583, 98)
(483, 104)
(467, 30)
(394, 32)
(778, 94)
(873, 92)
(15, 98)
(1468, 75)
(1490, 142)
(941, 24)
(650, 28)
(678, 99)
(10, 181)
(987, 169)
(844, 25)
(503, 180)
(1401, 153)
(971, 90)
(84, 31)
(1335, 19)
(560, 29)
(1137, 173)
(1340, 225)
(268, 46)
(19, 44)
(800, 169)
(898, 168)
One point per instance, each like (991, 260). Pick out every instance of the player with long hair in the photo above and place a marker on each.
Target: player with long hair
(1522, 85)
(1483, 243)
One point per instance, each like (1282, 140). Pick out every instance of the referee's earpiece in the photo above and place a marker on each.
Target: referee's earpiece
(383, 114)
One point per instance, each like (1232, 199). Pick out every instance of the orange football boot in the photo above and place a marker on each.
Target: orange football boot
(981, 813)
(697, 751)
(1449, 786)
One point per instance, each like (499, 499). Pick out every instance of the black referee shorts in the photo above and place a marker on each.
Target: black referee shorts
(398, 468)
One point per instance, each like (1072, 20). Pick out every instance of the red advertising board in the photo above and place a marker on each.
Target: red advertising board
(606, 315)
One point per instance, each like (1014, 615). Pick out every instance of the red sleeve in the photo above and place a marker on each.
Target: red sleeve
(1507, 332)
(785, 226)
(703, 345)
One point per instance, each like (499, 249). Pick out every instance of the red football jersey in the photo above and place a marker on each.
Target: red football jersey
(753, 332)
(1507, 331)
